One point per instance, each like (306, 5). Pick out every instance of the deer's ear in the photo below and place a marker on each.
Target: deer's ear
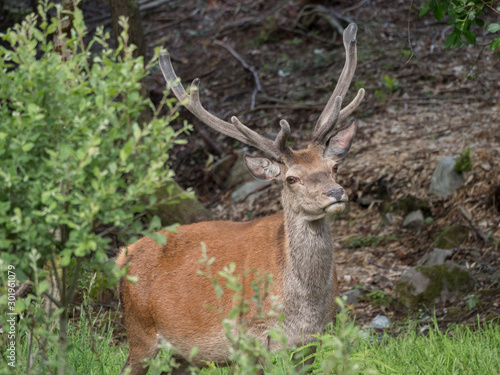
(262, 168)
(339, 144)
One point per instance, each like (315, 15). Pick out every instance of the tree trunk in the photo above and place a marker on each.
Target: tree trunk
(129, 9)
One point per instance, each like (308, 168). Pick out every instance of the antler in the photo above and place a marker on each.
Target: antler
(236, 129)
(332, 115)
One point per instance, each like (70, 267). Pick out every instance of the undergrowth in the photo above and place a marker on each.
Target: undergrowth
(343, 349)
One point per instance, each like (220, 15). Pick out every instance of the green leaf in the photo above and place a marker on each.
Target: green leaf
(423, 10)
(493, 28)
(20, 306)
(155, 223)
(479, 22)
(136, 131)
(159, 238)
(439, 11)
(470, 37)
(495, 44)
(28, 147)
(454, 40)
(43, 286)
(52, 28)
(126, 150)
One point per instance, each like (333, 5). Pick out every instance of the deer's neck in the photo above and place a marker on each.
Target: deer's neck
(309, 272)
(308, 279)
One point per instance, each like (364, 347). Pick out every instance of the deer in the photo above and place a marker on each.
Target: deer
(168, 302)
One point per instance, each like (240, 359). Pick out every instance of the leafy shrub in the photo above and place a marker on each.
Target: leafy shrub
(463, 163)
(76, 163)
(463, 14)
(378, 298)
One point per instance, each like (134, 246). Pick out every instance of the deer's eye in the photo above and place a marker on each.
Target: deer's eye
(335, 169)
(292, 180)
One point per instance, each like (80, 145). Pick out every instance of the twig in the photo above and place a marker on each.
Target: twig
(292, 106)
(167, 25)
(258, 87)
(354, 7)
(250, 20)
(382, 266)
(473, 226)
(329, 14)
(212, 144)
(409, 32)
(477, 59)
(489, 6)
(23, 289)
(308, 35)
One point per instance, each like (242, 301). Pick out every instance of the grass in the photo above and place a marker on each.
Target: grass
(459, 350)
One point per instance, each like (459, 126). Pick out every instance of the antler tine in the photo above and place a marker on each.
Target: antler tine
(282, 137)
(332, 114)
(236, 130)
(346, 112)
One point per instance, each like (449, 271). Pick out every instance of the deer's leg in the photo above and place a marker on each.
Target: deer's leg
(142, 344)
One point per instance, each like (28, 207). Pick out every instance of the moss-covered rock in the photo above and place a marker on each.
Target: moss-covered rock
(427, 286)
(177, 206)
(451, 237)
(406, 205)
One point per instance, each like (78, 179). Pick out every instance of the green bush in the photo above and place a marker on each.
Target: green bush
(463, 163)
(76, 162)
(463, 15)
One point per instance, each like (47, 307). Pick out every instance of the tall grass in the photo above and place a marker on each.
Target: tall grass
(92, 349)
(459, 350)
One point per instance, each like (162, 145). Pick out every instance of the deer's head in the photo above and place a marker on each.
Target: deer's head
(309, 181)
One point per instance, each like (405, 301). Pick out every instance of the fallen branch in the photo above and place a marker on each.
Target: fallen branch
(247, 66)
(308, 35)
(473, 226)
(225, 29)
(382, 266)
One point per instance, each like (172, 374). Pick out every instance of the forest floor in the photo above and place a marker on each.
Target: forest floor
(422, 103)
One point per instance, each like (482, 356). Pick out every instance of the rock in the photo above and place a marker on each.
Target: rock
(352, 296)
(427, 286)
(239, 171)
(249, 190)
(222, 169)
(405, 205)
(380, 322)
(414, 220)
(175, 205)
(452, 237)
(496, 276)
(437, 256)
(366, 200)
(389, 217)
(445, 180)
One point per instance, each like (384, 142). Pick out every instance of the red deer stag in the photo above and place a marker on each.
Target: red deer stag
(168, 301)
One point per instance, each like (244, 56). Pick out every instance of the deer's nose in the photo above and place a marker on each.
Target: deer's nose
(335, 193)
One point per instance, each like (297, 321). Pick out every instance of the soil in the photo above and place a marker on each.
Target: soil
(422, 103)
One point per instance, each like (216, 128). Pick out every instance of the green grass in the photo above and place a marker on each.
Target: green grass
(91, 349)
(459, 350)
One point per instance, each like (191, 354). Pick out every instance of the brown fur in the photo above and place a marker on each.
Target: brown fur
(170, 300)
